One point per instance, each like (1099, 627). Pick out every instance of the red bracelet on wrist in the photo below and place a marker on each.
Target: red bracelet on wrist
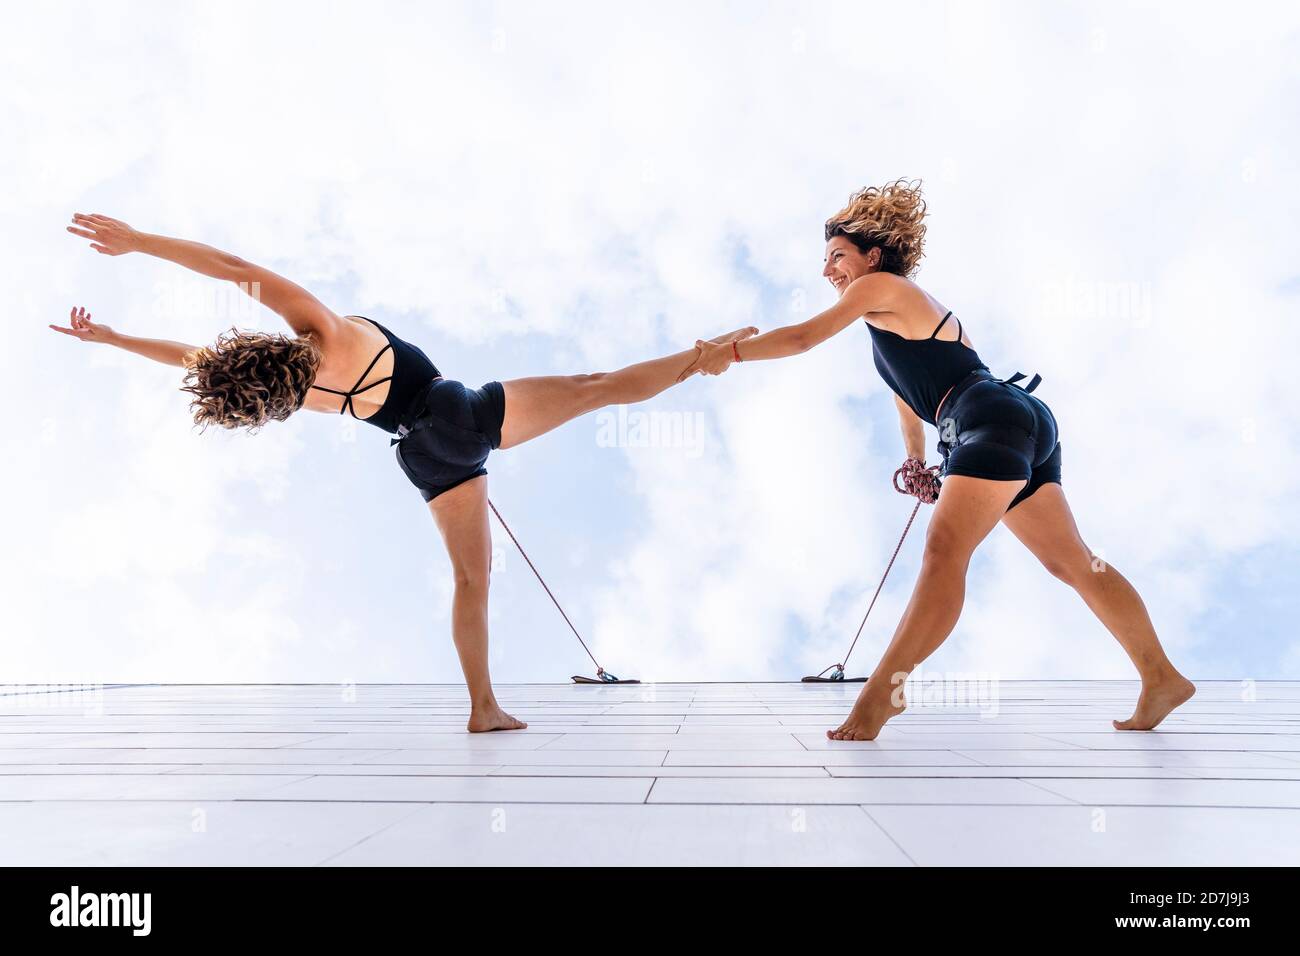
(735, 351)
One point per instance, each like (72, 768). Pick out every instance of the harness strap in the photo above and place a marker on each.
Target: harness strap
(1033, 382)
(412, 419)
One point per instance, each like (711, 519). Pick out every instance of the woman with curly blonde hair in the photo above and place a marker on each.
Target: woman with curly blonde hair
(1002, 456)
(336, 364)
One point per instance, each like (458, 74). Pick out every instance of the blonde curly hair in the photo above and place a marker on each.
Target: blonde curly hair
(891, 218)
(246, 379)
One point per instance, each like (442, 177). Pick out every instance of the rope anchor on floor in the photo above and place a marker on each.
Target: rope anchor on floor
(602, 676)
(924, 483)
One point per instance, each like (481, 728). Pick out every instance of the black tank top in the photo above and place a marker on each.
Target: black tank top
(920, 371)
(412, 370)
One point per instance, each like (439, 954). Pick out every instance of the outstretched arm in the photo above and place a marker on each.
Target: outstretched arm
(869, 293)
(299, 308)
(160, 350)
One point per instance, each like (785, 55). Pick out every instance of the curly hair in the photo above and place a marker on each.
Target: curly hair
(246, 379)
(891, 218)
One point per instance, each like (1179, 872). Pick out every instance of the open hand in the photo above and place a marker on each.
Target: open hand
(82, 328)
(112, 237)
(713, 356)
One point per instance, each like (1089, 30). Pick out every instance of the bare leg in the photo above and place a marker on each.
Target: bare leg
(461, 516)
(536, 405)
(1045, 524)
(967, 510)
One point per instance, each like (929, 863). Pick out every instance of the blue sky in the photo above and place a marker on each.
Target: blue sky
(1113, 193)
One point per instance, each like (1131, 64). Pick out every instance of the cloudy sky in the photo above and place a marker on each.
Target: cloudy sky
(527, 189)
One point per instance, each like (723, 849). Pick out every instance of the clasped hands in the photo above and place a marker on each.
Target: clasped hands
(712, 357)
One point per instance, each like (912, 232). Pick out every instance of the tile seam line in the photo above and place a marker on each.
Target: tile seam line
(1031, 782)
(370, 836)
(523, 771)
(116, 685)
(888, 836)
(491, 770)
(637, 803)
(74, 689)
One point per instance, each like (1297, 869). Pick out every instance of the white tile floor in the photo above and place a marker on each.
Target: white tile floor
(643, 774)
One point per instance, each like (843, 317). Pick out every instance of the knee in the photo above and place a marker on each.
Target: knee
(470, 582)
(943, 548)
(1076, 569)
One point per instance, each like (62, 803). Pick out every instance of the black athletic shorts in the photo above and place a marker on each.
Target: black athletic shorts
(991, 428)
(446, 440)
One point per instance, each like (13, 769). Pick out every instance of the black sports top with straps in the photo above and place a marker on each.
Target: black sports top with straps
(412, 370)
(921, 371)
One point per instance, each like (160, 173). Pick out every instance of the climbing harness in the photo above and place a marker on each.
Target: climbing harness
(917, 480)
(602, 676)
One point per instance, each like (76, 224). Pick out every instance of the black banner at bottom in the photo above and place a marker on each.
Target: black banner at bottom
(338, 906)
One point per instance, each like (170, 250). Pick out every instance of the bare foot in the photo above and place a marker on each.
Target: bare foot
(868, 716)
(737, 336)
(1155, 702)
(494, 719)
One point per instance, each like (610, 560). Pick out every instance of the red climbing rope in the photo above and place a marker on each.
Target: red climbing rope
(919, 480)
(599, 670)
(924, 483)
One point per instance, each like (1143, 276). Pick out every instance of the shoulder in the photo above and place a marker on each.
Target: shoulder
(340, 334)
(875, 295)
(879, 290)
(298, 307)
